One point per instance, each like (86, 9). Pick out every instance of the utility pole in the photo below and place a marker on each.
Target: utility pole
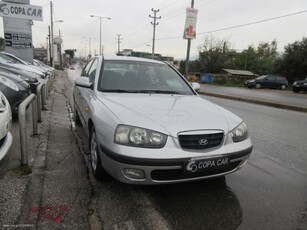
(118, 40)
(187, 62)
(51, 35)
(50, 54)
(154, 23)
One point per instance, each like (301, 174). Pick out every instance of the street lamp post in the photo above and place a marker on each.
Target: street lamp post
(100, 18)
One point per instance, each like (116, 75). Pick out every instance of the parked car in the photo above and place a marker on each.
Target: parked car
(6, 138)
(42, 65)
(147, 125)
(24, 75)
(18, 60)
(6, 59)
(15, 90)
(267, 81)
(299, 86)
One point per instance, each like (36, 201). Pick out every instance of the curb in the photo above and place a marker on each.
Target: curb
(258, 102)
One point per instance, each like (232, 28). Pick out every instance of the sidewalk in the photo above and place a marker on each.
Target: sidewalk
(57, 192)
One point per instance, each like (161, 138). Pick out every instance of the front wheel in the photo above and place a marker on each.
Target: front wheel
(95, 159)
(282, 87)
(76, 117)
(258, 86)
(296, 90)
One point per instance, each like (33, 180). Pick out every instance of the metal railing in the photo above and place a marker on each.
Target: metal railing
(38, 101)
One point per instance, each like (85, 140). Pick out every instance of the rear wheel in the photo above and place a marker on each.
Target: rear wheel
(283, 87)
(95, 159)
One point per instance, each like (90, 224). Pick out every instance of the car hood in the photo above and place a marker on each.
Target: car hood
(301, 82)
(169, 114)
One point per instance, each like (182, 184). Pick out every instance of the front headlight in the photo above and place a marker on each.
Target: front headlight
(139, 137)
(9, 83)
(239, 133)
(28, 79)
(3, 103)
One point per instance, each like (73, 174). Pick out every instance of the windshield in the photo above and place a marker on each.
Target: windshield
(140, 77)
(261, 77)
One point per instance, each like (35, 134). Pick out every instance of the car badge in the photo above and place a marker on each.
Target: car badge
(203, 142)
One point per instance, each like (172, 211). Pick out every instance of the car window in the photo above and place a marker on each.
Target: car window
(86, 69)
(271, 78)
(92, 70)
(280, 78)
(141, 77)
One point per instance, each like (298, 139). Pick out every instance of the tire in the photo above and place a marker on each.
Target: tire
(95, 159)
(76, 117)
(258, 86)
(296, 90)
(282, 87)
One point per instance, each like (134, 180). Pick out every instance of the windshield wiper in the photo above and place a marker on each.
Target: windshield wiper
(118, 91)
(142, 91)
(160, 92)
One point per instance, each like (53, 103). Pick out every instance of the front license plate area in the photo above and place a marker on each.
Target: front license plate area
(195, 166)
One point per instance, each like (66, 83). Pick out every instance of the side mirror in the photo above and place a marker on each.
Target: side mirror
(83, 82)
(195, 86)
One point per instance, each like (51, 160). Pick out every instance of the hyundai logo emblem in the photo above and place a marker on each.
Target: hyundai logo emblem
(203, 142)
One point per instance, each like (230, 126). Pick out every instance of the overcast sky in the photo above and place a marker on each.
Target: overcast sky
(130, 19)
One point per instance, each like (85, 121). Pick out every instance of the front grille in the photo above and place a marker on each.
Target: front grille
(178, 174)
(201, 141)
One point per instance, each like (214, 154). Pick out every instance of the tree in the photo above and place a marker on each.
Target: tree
(213, 54)
(293, 63)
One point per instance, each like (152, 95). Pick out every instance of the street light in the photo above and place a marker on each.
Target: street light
(100, 18)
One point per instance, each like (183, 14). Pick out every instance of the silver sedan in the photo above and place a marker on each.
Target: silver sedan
(147, 125)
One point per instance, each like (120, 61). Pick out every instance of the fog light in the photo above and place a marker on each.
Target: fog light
(134, 173)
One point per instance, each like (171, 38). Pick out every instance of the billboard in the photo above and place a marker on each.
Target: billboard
(190, 24)
(22, 11)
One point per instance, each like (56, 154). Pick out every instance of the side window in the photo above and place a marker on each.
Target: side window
(86, 69)
(271, 78)
(92, 71)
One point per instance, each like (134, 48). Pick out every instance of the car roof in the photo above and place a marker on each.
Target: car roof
(129, 58)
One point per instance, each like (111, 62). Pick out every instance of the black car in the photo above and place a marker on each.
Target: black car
(14, 89)
(299, 86)
(267, 81)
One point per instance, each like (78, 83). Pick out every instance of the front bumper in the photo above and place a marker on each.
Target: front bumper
(167, 171)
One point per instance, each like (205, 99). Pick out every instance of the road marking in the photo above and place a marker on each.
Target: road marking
(54, 213)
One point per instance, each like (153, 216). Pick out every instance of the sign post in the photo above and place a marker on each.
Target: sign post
(189, 33)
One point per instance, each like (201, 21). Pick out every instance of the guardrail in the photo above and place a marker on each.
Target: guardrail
(38, 101)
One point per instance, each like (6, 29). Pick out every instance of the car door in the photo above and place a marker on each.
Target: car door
(81, 94)
(270, 81)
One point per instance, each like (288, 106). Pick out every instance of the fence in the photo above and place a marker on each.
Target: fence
(38, 101)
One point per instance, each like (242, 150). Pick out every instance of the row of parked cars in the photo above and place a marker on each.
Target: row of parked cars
(277, 82)
(18, 79)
